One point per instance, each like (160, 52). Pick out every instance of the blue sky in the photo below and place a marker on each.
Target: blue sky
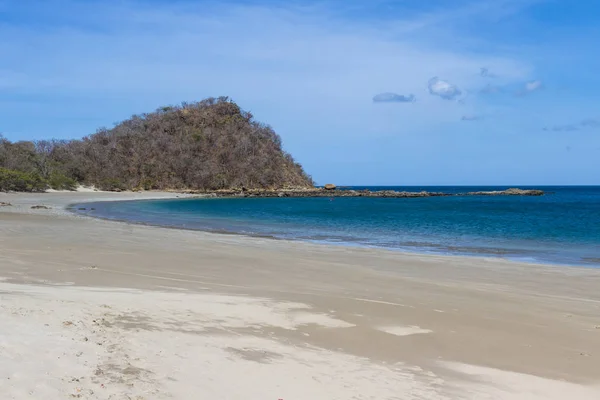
(404, 92)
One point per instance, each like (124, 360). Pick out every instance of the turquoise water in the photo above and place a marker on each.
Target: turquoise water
(562, 227)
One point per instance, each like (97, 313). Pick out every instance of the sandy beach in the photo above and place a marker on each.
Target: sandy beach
(97, 309)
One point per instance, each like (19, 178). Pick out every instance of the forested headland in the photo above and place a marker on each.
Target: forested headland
(208, 145)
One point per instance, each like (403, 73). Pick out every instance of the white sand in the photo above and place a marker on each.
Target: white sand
(103, 310)
(404, 330)
(496, 384)
(95, 344)
(69, 342)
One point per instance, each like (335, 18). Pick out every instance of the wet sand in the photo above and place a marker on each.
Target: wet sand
(106, 310)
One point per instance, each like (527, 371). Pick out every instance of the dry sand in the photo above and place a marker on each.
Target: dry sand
(95, 309)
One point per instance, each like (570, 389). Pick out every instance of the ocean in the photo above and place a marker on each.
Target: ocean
(561, 227)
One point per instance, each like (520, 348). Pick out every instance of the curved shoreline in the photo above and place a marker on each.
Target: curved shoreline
(60, 202)
(73, 209)
(530, 257)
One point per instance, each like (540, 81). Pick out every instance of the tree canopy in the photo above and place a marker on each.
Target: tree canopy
(207, 145)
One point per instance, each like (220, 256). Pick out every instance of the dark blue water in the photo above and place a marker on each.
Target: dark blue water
(562, 227)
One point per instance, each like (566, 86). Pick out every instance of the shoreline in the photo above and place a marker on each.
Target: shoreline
(509, 255)
(400, 250)
(343, 321)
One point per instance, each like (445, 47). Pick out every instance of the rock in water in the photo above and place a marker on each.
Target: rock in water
(521, 192)
(330, 186)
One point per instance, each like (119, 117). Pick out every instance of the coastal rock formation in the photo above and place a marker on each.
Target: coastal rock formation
(330, 186)
(324, 192)
(510, 192)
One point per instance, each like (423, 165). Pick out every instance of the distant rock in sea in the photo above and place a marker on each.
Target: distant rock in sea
(329, 190)
(509, 192)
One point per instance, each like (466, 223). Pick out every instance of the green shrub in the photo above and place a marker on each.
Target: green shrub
(59, 181)
(16, 181)
(112, 185)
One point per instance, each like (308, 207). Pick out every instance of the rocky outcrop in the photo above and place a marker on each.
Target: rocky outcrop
(329, 186)
(510, 192)
(323, 192)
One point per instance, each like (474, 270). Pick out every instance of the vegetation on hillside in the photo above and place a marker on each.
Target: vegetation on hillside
(208, 145)
(21, 181)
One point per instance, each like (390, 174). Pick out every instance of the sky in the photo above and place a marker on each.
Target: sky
(380, 92)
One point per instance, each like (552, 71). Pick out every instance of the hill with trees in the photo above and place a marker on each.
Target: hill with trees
(209, 145)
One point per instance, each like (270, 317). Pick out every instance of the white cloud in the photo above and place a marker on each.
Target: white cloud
(394, 98)
(443, 89)
(171, 48)
(291, 67)
(530, 87)
(533, 86)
